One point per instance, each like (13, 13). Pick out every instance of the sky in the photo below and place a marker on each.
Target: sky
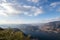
(29, 11)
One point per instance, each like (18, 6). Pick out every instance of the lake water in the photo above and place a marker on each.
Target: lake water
(43, 35)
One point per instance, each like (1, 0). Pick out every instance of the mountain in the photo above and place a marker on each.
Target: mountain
(1, 28)
(52, 27)
(48, 31)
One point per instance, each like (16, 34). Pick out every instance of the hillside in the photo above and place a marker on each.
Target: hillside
(52, 27)
(12, 34)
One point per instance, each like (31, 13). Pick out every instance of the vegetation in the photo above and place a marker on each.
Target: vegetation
(11, 35)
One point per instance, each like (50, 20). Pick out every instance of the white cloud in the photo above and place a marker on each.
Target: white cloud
(7, 9)
(38, 11)
(51, 20)
(15, 9)
(11, 22)
(2, 1)
(26, 13)
(54, 4)
(35, 1)
(34, 11)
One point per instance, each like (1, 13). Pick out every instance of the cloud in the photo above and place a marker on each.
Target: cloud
(34, 11)
(54, 4)
(38, 11)
(2, 1)
(35, 1)
(16, 9)
(51, 20)
(26, 13)
(38, 1)
(11, 22)
(7, 9)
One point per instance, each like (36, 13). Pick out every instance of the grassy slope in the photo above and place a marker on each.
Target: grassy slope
(11, 35)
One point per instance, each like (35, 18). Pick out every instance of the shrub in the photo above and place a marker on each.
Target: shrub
(11, 35)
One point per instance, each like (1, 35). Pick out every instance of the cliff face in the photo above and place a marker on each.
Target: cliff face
(52, 27)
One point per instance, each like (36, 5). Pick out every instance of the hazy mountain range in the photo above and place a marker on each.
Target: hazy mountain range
(48, 31)
(55, 25)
